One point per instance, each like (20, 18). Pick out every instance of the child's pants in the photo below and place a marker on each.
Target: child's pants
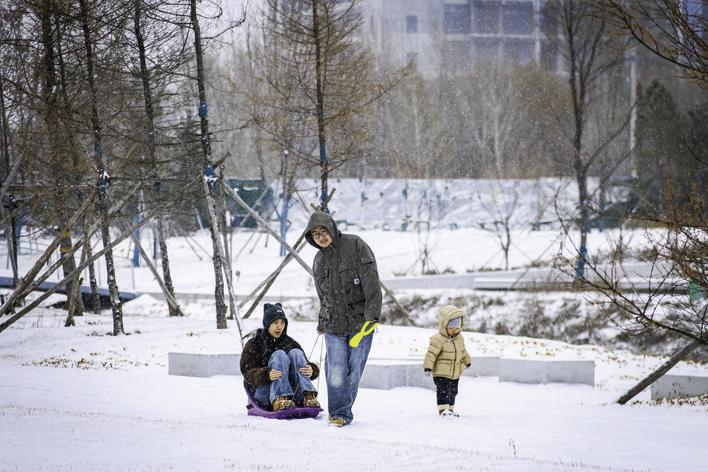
(446, 389)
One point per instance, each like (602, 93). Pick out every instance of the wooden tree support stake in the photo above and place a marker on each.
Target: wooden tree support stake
(675, 358)
(76, 271)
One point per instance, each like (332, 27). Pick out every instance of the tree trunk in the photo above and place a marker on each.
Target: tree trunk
(152, 153)
(103, 177)
(68, 266)
(5, 136)
(116, 308)
(259, 154)
(8, 216)
(5, 148)
(209, 176)
(583, 225)
(164, 259)
(675, 358)
(74, 292)
(95, 298)
(576, 82)
(319, 96)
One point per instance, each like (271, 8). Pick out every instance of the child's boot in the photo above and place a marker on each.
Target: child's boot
(452, 411)
(283, 403)
(443, 409)
(310, 400)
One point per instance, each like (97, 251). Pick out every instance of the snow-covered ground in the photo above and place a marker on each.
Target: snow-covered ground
(77, 399)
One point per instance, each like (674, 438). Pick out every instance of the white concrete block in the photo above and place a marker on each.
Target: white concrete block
(483, 366)
(572, 372)
(542, 371)
(388, 374)
(383, 376)
(415, 377)
(190, 365)
(202, 365)
(225, 364)
(678, 386)
(523, 371)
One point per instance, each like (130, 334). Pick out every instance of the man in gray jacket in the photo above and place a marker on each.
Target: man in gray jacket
(347, 283)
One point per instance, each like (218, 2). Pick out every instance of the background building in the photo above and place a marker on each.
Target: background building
(445, 35)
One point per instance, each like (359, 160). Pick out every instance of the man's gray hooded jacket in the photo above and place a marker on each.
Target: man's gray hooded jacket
(346, 279)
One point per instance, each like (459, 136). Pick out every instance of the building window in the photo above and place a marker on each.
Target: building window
(411, 24)
(549, 25)
(518, 51)
(457, 18)
(517, 18)
(456, 56)
(486, 48)
(486, 16)
(549, 55)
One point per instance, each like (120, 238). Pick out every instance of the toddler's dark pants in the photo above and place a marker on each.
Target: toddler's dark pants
(446, 389)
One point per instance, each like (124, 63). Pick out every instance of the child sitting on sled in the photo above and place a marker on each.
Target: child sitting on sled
(275, 367)
(447, 358)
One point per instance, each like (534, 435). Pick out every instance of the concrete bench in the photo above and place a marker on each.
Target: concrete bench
(203, 365)
(679, 386)
(385, 374)
(483, 366)
(542, 371)
(381, 375)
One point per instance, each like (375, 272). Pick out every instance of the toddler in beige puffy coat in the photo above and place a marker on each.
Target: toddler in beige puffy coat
(447, 358)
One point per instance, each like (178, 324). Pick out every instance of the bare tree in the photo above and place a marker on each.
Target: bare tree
(210, 182)
(209, 172)
(499, 210)
(6, 202)
(413, 136)
(87, 20)
(674, 30)
(66, 169)
(151, 142)
(666, 298)
(319, 83)
(493, 103)
(588, 55)
(678, 243)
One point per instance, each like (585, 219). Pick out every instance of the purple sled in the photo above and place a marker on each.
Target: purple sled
(254, 409)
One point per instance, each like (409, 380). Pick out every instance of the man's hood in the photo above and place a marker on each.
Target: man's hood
(320, 218)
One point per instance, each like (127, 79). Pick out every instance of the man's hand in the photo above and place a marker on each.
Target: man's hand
(307, 371)
(428, 372)
(274, 375)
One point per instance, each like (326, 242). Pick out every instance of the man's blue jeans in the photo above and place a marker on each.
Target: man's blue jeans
(343, 368)
(292, 384)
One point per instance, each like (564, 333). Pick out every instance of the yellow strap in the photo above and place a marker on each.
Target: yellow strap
(354, 342)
